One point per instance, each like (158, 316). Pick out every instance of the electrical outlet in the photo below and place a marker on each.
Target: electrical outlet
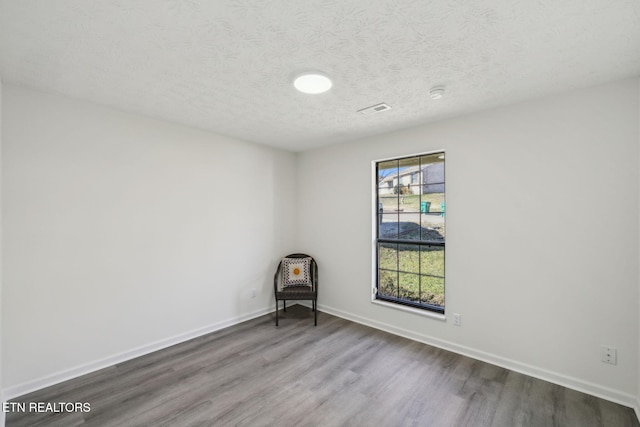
(609, 355)
(457, 319)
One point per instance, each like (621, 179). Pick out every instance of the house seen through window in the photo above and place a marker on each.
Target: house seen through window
(410, 231)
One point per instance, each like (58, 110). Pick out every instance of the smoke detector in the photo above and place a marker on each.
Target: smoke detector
(436, 92)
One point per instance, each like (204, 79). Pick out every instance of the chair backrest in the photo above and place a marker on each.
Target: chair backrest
(290, 260)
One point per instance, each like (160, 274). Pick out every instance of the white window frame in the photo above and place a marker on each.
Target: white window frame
(374, 245)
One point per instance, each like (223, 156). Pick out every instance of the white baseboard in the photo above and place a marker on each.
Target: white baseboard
(58, 377)
(523, 368)
(637, 408)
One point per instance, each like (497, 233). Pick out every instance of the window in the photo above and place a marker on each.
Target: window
(410, 231)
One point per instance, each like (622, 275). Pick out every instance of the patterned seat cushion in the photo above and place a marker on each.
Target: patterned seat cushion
(297, 272)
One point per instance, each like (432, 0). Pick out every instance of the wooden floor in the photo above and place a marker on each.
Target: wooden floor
(336, 374)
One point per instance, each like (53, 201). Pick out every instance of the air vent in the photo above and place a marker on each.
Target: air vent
(375, 109)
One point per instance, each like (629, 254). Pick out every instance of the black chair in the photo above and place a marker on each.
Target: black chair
(296, 278)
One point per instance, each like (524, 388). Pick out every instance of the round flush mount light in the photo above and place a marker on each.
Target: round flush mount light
(436, 92)
(312, 83)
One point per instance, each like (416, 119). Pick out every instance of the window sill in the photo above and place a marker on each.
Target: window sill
(425, 313)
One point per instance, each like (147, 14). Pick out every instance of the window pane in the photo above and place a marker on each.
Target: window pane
(431, 202)
(387, 176)
(388, 228)
(409, 226)
(388, 283)
(409, 286)
(409, 164)
(435, 192)
(388, 203)
(433, 227)
(432, 260)
(388, 253)
(432, 290)
(431, 158)
(409, 258)
(408, 179)
(410, 203)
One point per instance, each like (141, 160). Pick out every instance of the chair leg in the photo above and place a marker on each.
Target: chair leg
(276, 312)
(284, 305)
(315, 314)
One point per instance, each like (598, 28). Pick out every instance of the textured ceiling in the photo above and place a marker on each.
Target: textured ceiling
(227, 65)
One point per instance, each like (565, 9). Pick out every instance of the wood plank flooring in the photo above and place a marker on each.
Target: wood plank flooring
(339, 373)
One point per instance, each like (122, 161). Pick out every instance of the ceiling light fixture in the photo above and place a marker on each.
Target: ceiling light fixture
(312, 83)
(436, 92)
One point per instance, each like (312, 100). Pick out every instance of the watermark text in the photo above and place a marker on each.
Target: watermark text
(53, 407)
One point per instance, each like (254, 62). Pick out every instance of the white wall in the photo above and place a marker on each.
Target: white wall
(117, 241)
(542, 234)
(124, 234)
